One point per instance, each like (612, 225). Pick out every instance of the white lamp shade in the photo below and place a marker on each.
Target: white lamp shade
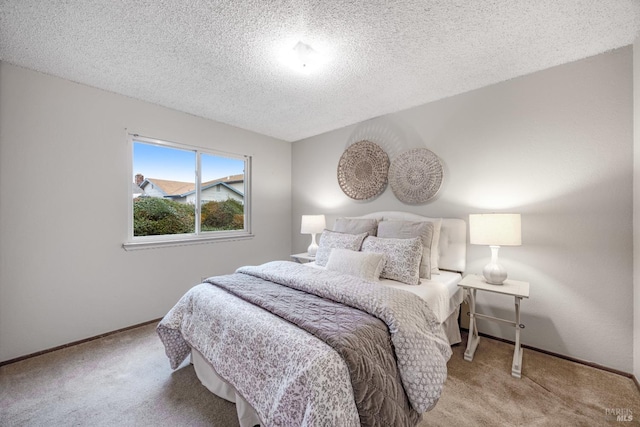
(495, 229)
(312, 224)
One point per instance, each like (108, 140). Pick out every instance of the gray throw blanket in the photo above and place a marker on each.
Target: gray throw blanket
(421, 346)
(361, 340)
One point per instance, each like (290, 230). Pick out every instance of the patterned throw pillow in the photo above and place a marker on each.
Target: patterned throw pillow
(367, 266)
(403, 257)
(332, 239)
(409, 229)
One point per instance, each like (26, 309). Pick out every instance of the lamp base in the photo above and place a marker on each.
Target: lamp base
(313, 247)
(312, 250)
(494, 274)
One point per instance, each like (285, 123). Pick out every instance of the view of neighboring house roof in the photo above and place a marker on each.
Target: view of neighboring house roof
(169, 188)
(223, 184)
(226, 180)
(178, 188)
(137, 191)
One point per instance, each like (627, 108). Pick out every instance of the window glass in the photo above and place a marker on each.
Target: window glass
(166, 178)
(186, 192)
(222, 193)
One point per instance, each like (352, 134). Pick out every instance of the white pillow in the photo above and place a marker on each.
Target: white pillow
(402, 257)
(366, 266)
(332, 239)
(409, 229)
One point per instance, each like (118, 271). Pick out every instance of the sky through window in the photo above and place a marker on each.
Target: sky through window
(154, 161)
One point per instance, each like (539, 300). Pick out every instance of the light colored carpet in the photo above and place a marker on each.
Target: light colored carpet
(125, 380)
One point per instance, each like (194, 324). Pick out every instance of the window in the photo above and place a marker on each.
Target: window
(181, 194)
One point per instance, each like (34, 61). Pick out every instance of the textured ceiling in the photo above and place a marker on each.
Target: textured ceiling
(220, 59)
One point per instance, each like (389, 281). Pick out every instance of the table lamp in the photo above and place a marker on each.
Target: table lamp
(495, 230)
(312, 224)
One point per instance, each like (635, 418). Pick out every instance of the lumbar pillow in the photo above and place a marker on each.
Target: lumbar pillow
(410, 229)
(366, 266)
(402, 257)
(332, 239)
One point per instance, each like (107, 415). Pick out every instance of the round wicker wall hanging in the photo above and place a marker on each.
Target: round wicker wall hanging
(415, 176)
(363, 170)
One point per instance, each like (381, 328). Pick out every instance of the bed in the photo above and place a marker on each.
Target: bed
(296, 344)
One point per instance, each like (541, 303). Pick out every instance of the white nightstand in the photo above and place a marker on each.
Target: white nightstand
(514, 288)
(303, 257)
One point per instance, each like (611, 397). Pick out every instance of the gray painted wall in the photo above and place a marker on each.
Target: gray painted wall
(636, 208)
(63, 273)
(555, 146)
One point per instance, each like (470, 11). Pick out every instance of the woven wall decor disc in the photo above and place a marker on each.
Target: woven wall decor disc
(415, 176)
(363, 170)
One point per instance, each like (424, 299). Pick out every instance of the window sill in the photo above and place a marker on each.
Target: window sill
(188, 241)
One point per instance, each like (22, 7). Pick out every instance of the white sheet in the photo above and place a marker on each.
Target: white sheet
(441, 292)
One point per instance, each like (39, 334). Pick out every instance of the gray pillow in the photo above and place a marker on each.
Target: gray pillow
(333, 239)
(356, 225)
(410, 229)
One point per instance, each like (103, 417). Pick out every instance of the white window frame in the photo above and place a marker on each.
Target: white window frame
(198, 237)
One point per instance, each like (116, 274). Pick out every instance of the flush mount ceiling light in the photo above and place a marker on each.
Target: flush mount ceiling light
(302, 58)
(305, 54)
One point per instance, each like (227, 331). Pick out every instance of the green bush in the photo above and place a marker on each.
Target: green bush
(153, 216)
(225, 215)
(156, 216)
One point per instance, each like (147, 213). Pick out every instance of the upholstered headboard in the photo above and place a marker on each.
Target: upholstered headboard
(452, 248)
